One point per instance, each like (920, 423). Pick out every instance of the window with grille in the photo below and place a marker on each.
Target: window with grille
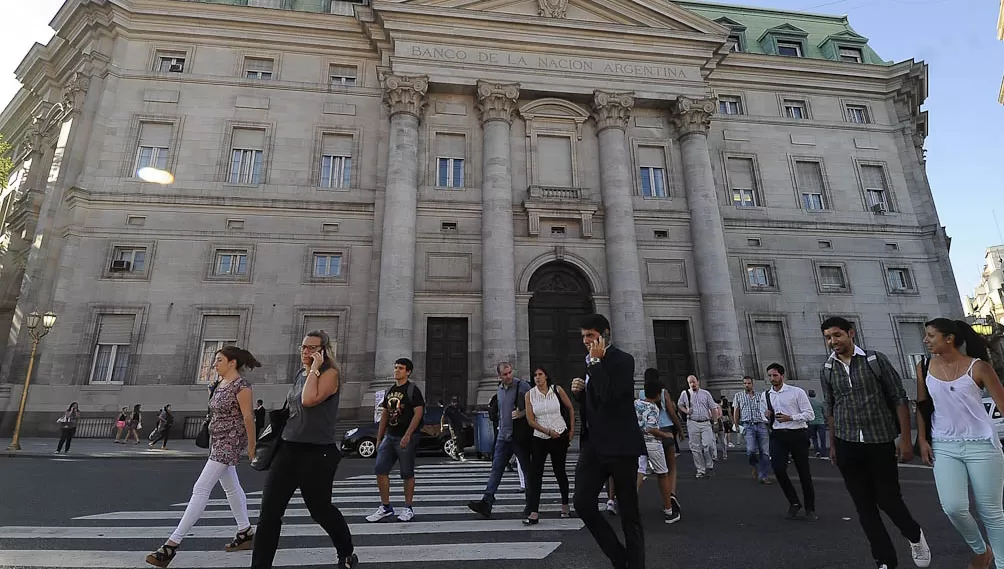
(742, 184)
(153, 146)
(217, 332)
(258, 68)
(809, 178)
(342, 75)
(336, 161)
(112, 349)
(831, 277)
(247, 155)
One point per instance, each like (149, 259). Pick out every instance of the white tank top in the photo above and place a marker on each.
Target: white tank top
(547, 411)
(959, 414)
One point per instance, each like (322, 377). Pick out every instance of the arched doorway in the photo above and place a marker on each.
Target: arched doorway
(561, 297)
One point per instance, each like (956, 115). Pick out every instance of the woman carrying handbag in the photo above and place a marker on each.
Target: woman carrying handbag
(546, 406)
(232, 418)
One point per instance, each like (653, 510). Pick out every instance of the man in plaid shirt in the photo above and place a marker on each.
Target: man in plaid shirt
(866, 407)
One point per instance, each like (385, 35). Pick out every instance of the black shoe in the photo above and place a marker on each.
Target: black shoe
(793, 511)
(348, 562)
(531, 521)
(481, 507)
(811, 516)
(675, 503)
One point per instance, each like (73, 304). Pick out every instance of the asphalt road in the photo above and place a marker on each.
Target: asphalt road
(66, 512)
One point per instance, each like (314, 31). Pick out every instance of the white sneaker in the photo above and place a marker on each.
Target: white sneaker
(921, 552)
(407, 515)
(381, 514)
(611, 507)
(883, 566)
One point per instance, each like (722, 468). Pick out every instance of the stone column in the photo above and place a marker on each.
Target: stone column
(692, 119)
(405, 99)
(497, 105)
(611, 111)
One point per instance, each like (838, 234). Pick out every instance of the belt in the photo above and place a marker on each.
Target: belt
(701, 420)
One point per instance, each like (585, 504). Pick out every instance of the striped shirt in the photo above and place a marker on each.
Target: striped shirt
(698, 405)
(751, 407)
(862, 402)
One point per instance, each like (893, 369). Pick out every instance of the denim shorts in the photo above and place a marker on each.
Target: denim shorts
(390, 452)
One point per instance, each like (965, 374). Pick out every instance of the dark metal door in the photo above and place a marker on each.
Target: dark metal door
(673, 353)
(561, 298)
(446, 360)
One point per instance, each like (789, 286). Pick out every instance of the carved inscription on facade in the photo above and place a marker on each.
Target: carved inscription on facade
(557, 63)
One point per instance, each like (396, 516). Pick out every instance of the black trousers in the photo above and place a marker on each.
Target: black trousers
(794, 443)
(162, 435)
(591, 474)
(65, 436)
(311, 468)
(871, 475)
(540, 449)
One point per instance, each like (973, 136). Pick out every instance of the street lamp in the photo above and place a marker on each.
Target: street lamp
(48, 320)
(983, 329)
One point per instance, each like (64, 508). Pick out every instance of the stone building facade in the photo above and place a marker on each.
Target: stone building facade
(457, 181)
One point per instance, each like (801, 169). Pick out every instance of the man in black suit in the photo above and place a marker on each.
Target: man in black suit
(611, 444)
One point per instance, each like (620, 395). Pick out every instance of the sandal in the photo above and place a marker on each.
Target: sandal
(163, 556)
(244, 540)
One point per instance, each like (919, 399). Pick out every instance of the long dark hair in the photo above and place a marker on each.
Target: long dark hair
(653, 385)
(547, 376)
(72, 405)
(243, 357)
(962, 333)
(325, 339)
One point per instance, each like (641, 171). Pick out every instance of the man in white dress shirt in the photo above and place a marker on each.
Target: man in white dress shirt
(789, 411)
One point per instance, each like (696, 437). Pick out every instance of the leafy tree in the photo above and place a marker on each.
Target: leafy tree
(6, 162)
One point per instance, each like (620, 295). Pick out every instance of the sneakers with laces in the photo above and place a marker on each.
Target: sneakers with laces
(381, 514)
(407, 515)
(921, 552)
(671, 516)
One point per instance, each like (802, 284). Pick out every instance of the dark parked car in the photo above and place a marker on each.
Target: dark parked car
(361, 440)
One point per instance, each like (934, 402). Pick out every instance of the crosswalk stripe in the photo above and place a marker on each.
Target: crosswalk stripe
(397, 499)
(289, 530)
(285, 557)
(452, 488)
(226, 514)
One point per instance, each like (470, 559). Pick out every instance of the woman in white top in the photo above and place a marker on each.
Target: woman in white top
(963, 446)
(551, 436)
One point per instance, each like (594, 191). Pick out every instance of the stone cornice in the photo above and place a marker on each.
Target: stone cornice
(612, 109)
(405, 94)
(497, 101)
(693, 116)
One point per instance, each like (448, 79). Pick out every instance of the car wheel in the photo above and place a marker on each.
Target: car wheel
(367, 448)
(449, 447)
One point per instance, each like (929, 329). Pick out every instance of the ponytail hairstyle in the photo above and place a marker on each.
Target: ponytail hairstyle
(245, 361)
(326, 349)
(962, 333)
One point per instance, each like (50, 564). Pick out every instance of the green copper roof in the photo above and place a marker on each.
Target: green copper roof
(819, 34)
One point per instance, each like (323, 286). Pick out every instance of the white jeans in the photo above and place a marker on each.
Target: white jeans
(227, 477)
(702, 445)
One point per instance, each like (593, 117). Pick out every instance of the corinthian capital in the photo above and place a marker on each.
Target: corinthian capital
(693, 116)
(612, 109)
(497, 101)
(405, 93)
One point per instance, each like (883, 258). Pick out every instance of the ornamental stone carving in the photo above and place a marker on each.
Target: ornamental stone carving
(74, 91)
(612, 109)
(693, 116)
(552, 8)
(497, 101)
(405, 94)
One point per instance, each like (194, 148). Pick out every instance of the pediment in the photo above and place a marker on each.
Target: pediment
(641, 13)
(786, 30)
(846, 36)
(730, 24)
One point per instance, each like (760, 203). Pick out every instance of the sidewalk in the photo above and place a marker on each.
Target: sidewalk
(103, 448)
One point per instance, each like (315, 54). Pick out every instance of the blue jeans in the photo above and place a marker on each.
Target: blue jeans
(819, 440)
(959, 464)
(758, 448)
(504, 450)
(390, 451)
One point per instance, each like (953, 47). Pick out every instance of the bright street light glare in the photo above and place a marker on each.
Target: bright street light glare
(155, 176)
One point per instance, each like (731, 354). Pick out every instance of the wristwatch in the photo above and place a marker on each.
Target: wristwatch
(593, 360)
(315, 372)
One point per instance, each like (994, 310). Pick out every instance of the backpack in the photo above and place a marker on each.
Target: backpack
(872, 355)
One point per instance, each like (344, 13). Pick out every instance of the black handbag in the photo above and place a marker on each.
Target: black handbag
(270, 438)
(522, 432)
(202, 438)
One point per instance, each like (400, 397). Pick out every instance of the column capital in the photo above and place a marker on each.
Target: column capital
(612, 109)
(693, 116)
(405, 93)
(497, 101)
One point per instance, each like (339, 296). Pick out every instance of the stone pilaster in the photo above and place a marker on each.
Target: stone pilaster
(611, 111)
(405, 99)
(692, 119)
(497, 106)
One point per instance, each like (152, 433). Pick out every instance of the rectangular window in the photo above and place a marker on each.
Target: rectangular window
(327, 323)
(128, 260)
(789, 48)
(258, 68)
(554, 161)
(154, 143)
(741, 182)
(730, 105)
(342, 75)
(899, 280)
(171, 61)
(111, 351)
(759, 276)
(336, 161)
(247, 151)
(851, 55)
(231, 263)
(652, 171)
(876, 189)
(217, 332)
(794, 109)
(809, 178)
(327, 265)
(858, 114)
(832, 277)
(451, 149)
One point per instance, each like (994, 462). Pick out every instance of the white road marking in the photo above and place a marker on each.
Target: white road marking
(225, 514)
(396, 499)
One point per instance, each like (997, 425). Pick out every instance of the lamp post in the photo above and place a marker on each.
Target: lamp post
(47, 320)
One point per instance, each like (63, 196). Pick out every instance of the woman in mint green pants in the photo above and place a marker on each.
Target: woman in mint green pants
(963, 444)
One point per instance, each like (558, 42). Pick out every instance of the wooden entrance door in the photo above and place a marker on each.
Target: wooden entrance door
(446, 360)
(673, 354)
(561, 297)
